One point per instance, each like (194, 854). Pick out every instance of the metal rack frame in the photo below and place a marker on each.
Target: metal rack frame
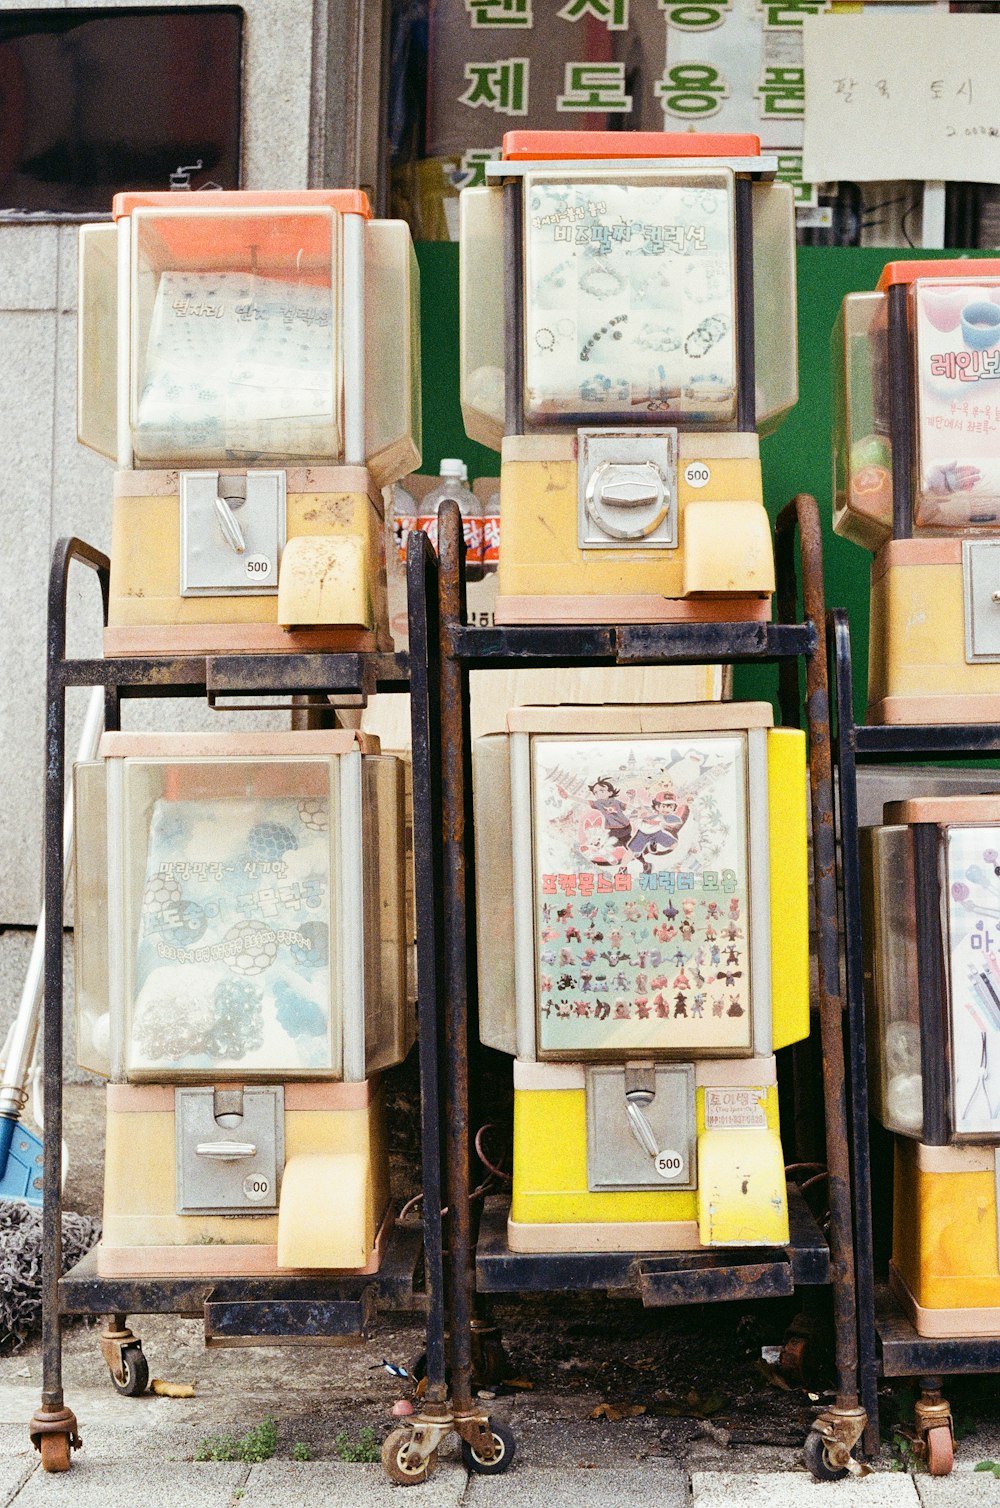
(478, 1260)
(888, 1342)
(275, 1308)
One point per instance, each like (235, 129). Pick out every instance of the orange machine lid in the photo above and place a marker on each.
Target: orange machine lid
(548, 146)
(948, 267)
(347, 201)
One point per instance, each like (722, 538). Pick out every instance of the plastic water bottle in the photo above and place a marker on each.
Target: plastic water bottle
(454, 474)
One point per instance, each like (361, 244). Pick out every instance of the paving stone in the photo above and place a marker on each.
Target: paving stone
(792, 1489)
(963, 1489)
(337, 1484)
(13, 1475)
(575, 1487)
(95, 1484)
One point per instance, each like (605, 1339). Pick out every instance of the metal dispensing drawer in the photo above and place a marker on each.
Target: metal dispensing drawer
(230, 1150)
(662, 1112)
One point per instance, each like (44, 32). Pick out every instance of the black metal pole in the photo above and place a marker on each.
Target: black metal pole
(850, 859)
(422, 588)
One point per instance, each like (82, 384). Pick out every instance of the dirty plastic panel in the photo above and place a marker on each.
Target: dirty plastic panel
(630, 300)
(97, 337)
(235, 348)
(775, 323)
(862, 448)
(392, 352)
(895, 1062)
(481, 311)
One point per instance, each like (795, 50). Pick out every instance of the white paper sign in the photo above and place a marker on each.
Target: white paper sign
(889, 96)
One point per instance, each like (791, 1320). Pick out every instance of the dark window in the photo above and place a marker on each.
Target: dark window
(96, 101)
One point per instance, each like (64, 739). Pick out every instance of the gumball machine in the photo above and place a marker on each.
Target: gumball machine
(240, 973)
(917, 482)
(641, 337)
(643, 938)
(250, 363)
(933, 970)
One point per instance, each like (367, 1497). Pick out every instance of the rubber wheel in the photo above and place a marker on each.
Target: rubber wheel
(940, 1450)
(395, 1465)
(503, 1455)
(55, 1452)
(814, 1455)
(135, 1373)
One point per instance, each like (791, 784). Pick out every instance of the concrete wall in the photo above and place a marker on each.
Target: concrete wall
(50, 485)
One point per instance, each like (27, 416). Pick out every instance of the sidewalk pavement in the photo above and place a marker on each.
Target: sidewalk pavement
(124, 1463)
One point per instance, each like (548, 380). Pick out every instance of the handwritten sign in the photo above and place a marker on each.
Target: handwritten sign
(894, 97)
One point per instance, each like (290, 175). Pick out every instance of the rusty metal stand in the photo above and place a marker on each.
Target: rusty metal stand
(267, 1309)
(888, 1341)
(447, 975)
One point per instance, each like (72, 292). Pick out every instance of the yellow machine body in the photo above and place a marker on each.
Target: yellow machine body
(331, 576)
(333, 1201)
(918, 671)
(945, 1264)
(722, 565)
(740, 1199)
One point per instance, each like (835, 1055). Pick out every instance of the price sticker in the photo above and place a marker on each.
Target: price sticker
(697, 474)
(669, 1164)
(256, 1187)
(258, 568)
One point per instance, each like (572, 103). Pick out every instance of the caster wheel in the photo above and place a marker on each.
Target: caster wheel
(54, 1452)
(504, 1447)
(814, 1455)
(135, 1373)
(396, 1463)
(940, 1450)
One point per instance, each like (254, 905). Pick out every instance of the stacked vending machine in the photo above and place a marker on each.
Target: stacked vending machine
(641, 871)
(240, 981)
(250, 362)
(917, 482)
(933, 972)
(642, 335)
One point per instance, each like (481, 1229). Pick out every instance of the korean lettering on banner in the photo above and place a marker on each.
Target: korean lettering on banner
(726, 65)
(642, 900)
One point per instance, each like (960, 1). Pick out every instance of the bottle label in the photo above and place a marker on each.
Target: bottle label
(491, 540)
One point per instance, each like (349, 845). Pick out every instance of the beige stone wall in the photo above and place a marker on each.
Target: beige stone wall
(50, 485)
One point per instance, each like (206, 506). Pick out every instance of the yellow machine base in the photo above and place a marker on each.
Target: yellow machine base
(723, 547)
(944, 1247)
(917, 670)
(148, 615)
(334, 1190)
(740, 1200)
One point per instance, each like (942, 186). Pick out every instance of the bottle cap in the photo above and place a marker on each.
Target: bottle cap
(454, 468)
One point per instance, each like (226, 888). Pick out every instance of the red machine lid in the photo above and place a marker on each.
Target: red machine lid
(948, 267)
(347, 201)
(547, 146)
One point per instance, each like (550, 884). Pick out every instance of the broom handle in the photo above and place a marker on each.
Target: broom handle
(24, 1033)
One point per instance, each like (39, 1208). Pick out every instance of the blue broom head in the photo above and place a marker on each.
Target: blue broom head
(20, 1162)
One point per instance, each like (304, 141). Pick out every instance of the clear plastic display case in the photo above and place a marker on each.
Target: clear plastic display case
(894, 1049)
(862, 447)
(252, 908)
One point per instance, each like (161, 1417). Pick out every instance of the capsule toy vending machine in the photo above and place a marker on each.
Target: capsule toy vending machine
(241, 983)
(932, 872)
(642, 335)
(250, 362)
(917, 482)
(641, 897)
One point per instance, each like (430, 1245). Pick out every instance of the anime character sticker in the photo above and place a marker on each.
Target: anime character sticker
(651, 833)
